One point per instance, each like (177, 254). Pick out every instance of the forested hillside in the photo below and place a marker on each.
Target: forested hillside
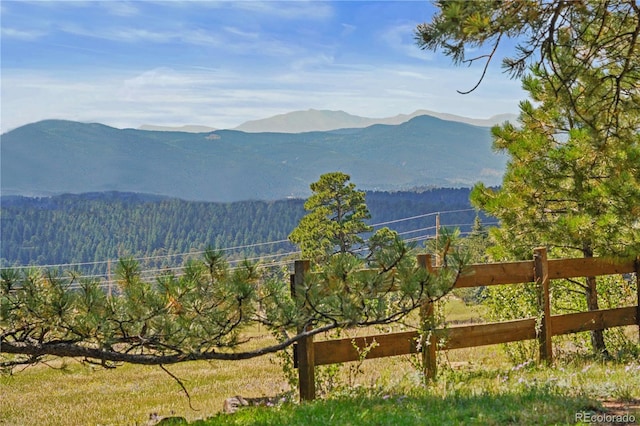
(56, 157)
(99, 226)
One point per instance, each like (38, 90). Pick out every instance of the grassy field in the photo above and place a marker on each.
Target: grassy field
(77, 394)
(473, 395)
(476, 386)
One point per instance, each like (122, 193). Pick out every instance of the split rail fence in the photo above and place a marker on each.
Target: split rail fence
(540, 270)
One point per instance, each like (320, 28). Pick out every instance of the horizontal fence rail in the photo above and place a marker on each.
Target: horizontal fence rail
(468, 336)
(540, 270)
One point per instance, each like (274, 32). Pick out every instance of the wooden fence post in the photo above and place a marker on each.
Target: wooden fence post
(542, 280)
(304, 348)
(636, 266)
(427, 321)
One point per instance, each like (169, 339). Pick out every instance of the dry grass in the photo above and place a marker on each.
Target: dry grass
(71, 393)
(80, 395)
(77, 394)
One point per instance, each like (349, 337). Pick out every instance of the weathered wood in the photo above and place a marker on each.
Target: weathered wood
(594, 320)
(428, 339)
(457, 337)
(496, 273)
(305, 353)
(425, 261)
(342, 350)
(636, 267)
(588, 267)
(428, 342)
(488, 274)
(292, 285)
(541, 272)
(468, 336)
(306, 369)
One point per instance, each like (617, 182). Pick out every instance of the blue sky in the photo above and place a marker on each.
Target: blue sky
(128, 63)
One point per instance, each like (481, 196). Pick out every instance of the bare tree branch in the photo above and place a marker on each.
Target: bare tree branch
(486, 66)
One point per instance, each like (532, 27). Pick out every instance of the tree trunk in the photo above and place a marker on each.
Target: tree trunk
(591, 293)
(597, 336)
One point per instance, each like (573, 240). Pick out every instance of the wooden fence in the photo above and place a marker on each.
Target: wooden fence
(540, 270)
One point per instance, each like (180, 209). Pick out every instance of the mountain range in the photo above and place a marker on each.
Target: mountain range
(313, 120)
(56, 156)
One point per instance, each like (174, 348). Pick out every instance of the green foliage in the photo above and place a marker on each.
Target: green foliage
(571, 193)
(464, 404)
(509, 302)
(342, 292)
(572, 182)
(336, 218)
(193, 315)
(341, 379)
(477, 242)
(573, 177)
(476, 245)
(602, 36)
(92, 228)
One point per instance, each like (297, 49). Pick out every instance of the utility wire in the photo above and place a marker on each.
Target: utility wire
(107, 281)
(195, 253)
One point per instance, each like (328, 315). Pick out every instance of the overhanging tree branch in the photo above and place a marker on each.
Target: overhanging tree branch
(486, 66)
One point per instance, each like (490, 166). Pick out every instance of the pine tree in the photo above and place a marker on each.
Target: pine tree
(336, 218)
(566, 187)
(573, 179)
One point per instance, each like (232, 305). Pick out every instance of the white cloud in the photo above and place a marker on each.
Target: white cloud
(227, 40)
(347, 29)
(234, 31)
(401, 38)
(22, 34)
(237, 71)
(311, 10)
(314, 61)
(129, 34)
(225, 98)
(134, 35)
(413, 75)
(119, 8)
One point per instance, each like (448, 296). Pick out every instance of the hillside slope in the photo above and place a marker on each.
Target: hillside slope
(99, 226)
(55, 157)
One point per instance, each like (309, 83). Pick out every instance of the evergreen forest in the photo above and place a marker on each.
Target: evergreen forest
(88, 230)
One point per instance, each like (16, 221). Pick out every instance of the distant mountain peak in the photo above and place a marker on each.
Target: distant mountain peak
(312, 120)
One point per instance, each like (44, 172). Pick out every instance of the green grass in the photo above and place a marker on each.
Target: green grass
(521, 395)
(526, 408)
(472, 394)
(456, 311)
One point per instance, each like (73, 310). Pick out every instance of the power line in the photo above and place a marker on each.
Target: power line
(176, 270)
(420, 216)
(195, 253)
